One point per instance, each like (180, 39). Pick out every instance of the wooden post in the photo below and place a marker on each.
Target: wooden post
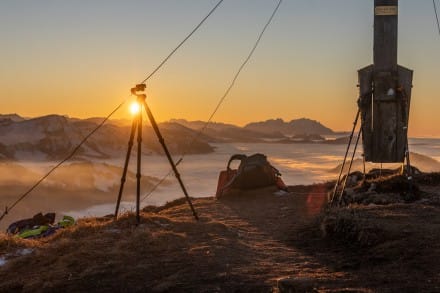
(385, 91)
(385, 35)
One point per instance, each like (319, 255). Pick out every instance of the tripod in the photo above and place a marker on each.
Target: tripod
(137, 126)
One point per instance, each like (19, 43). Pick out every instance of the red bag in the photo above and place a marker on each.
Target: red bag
(223, 179)
(281, 185)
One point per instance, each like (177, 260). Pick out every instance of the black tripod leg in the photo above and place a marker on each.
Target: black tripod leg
(127, 160)
(349, 167)
(409, 172)
(170, 159)
(345, 157)
(138, 172)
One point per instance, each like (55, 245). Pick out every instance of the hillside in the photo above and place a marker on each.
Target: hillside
(6, 118)
(75, 186)
(53, 137)
(257, 242)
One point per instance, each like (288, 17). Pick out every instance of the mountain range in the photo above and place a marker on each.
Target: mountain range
(295, 127)
(52, 137)
(272, 128)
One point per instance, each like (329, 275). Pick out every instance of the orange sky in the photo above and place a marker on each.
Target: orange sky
(80, 59)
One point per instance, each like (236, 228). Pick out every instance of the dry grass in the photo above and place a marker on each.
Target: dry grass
(239, 244)
(10, 244)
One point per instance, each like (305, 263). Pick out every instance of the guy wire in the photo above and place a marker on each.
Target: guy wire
(68, 157)
(182, 42)
(436, 16)
(226, 93)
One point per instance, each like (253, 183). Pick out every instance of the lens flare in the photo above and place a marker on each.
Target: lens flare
(135, 108)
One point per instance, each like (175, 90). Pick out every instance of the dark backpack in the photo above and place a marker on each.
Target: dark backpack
(253, 172)
(37, 220)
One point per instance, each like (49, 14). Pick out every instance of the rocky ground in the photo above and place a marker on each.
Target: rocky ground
(255, 241)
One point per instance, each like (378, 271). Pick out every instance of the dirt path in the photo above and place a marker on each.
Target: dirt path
(241, 244)
(266, 227)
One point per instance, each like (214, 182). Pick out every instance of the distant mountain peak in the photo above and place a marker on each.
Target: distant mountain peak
(198, 124)
(303, 119)
(12, 117)
(301, 126)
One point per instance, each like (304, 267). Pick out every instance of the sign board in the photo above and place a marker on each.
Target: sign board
(385, 10)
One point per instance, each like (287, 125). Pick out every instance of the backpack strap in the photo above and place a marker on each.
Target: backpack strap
(239, 157)
(230, 173)
(276, 171)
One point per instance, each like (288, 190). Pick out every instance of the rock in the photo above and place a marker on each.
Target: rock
(349, 192)
(353, 179)
(372, 187)
(297, 284)
(424, 201)
(163, 286)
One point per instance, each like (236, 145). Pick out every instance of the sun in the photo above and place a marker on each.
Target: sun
(135, 108)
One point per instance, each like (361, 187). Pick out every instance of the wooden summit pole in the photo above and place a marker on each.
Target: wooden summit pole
(385, 91)
(385, 35)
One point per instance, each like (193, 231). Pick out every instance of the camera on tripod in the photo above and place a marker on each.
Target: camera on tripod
(138, 88)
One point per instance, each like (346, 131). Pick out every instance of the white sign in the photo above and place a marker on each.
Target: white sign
(385, 10)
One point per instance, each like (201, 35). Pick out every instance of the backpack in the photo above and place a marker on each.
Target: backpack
(25, 224)
(253, 172)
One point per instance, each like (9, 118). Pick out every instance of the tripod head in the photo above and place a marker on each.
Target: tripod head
(140, 96)
(138, 88)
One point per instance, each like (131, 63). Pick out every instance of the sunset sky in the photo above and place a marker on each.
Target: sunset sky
(80, 58)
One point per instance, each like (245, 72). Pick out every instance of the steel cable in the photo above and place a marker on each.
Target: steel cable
(436, 16)
(182, 42)
(68, 157)
(222, 99)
